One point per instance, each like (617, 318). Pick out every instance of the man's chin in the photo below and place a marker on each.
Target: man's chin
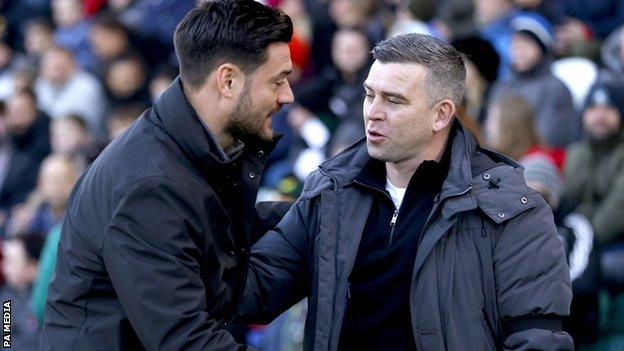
(265, 134)
(375, 152)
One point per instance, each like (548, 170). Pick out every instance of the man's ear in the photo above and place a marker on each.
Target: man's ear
(229, 79)
(445, 110)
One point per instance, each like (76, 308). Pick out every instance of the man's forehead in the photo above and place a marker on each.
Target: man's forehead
(278, 60)
(397, 75)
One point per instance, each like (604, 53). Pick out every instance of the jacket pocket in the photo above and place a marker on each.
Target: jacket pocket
(488, 330)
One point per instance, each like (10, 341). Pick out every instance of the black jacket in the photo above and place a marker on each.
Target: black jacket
(490, 272)
(149, 255)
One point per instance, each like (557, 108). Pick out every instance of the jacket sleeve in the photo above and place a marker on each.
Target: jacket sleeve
(532, 282)
(278, 266)
(268, 215)
(152, 263)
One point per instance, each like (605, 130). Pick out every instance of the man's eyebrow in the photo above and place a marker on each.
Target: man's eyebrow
(283, 74)
(395, 95)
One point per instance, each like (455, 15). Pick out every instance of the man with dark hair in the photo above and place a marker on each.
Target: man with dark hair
(415, 237)
(154, 247)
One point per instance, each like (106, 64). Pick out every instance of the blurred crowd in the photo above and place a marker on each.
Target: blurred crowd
(545, 86)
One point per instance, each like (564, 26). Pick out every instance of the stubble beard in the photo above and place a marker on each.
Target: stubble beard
(245, 122)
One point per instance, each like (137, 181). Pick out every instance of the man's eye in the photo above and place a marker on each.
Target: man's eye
(368, 96)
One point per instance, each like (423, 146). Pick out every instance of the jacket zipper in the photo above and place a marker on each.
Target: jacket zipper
(395, 215)
(392, 226)
(437, 201)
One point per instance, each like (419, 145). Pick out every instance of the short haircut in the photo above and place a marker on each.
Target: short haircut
(219, 31)
(446, 73)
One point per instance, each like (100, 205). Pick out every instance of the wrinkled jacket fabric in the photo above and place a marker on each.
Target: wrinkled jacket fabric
(148, 258)
(489, 257)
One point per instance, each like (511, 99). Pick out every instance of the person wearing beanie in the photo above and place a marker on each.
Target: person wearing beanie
(603, 112)
(541, 174)
(594, 170)
(531, 56)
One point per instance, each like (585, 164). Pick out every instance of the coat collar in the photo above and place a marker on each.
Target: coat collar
(181, 122)
(477, 177)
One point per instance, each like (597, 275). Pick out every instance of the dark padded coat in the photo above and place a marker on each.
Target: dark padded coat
(148, 256)
(490, 272)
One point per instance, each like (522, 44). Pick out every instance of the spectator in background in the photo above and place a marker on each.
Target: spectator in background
(61, 174)
(63, 88)
(594, 170)
(556, 120)
(510, 128)
(72, 31)
(587, 22)
(18, 175)
(10, 61)
(577, 235)
(46, 206)
(493, 19)
(15, 14)
(70, 136)
(594, 177)
(28, 128)
(126, 81)
(110, 40)
(19, 267)
(39, 37)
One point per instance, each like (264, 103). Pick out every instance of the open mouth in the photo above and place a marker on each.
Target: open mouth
(374, 136)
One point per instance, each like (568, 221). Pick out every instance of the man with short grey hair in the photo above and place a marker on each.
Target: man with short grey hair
(415, 237)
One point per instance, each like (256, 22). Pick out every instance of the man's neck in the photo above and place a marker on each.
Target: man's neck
(211, 117)
(400, 173)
